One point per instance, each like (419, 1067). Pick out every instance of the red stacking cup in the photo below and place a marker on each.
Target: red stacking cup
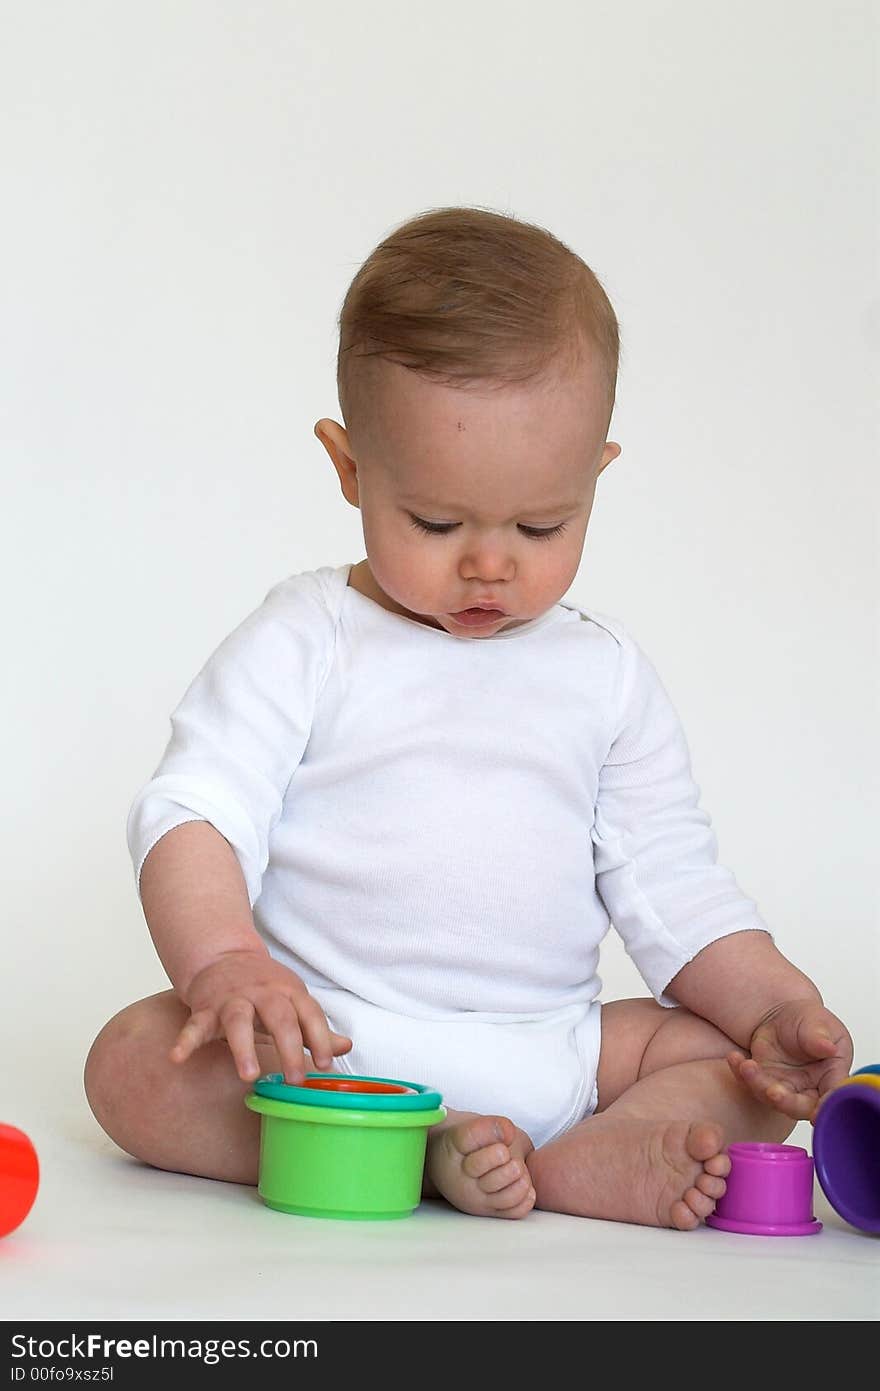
(19, 1177)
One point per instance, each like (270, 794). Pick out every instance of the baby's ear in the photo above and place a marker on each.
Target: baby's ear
(609, 454)
(331, 434)
(335, 440)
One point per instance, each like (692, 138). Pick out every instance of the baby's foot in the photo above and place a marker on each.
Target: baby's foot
(692, 1154)
(478, 1163)
(656, 1173)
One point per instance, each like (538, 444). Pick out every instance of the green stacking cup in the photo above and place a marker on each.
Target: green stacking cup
(341, 1146)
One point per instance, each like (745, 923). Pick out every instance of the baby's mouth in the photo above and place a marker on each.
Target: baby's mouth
(478, 617)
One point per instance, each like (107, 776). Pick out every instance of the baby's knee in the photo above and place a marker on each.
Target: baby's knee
(117, 1077)
(106, 1066)
(684, 1037)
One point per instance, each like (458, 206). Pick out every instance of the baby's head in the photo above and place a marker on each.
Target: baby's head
(477, 372)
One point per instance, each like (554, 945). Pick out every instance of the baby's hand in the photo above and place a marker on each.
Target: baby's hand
(800, 1052)
(242, 989)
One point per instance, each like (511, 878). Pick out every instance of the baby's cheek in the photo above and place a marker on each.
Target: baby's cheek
(420, 577)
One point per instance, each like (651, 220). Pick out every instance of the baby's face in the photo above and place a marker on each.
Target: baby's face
(474, 498)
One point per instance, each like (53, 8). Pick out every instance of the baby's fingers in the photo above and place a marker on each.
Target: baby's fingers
(238, 1025)
(735, 1060)
(746, 1071)
(322, 1042)
(280, 1019)
(817, 1041)
(199, 1029)
(799, 1106)
(752, 1075)
(340, 1043)
(768, 1089)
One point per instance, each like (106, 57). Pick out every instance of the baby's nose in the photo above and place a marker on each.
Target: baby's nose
(488, 563)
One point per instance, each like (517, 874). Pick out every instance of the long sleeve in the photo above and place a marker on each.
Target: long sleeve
(240, 730)
(655, 853)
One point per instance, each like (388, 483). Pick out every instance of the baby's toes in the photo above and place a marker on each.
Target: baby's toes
(517, 1195)
(683, 1217)
(483, 1161)
(703, 1140)
(522, 1209)
(479, 1132)
(718, 1165)
(710, 1185)
(699, 1203)
(501, 1177)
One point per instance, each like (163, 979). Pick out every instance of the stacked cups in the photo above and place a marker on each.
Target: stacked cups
(340, 1146)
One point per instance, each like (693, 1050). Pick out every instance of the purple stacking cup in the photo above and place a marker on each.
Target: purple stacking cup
(846, 1144)
(769, 1192)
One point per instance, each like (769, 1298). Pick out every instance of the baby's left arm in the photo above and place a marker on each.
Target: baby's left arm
(799, 1050)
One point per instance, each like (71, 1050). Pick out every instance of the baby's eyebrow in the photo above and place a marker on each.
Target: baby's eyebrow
(536, 513)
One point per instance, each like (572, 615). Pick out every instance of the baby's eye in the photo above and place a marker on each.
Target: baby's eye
(443, 528)
(433, 528)
(542, 533)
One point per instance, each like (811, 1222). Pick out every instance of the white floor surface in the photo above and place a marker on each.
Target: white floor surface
(110, 1239)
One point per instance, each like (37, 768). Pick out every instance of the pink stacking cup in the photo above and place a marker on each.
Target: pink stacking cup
(769, 1192)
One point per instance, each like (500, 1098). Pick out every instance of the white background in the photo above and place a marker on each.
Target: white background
(189, 188)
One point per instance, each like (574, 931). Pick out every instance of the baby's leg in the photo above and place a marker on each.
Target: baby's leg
(653, 1152)
(191, 1118)
(188, 1117)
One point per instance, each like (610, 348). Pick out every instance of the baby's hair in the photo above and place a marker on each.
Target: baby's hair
(468, 296)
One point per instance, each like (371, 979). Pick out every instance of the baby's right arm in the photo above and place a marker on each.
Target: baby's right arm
(196, 905)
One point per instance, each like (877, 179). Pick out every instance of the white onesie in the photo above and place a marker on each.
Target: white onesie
(434, 831)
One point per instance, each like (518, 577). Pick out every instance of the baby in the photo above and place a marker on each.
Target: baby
(404, 798)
